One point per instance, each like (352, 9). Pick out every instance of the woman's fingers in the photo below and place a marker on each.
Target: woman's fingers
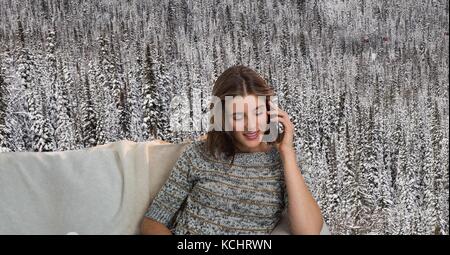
(283, 119)
(278, 113)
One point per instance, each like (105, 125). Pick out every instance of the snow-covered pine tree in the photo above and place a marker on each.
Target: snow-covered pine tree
(430, 202)
(64, 126)
(171, 31)
(108, 89)
(223, 47)
(385, 201)
(125, 113)
(320, 186)
(99, 102)
(333, 186)
(351, 206)
(407, 184)
(322, 122)
(444, 196)
(119, 99)
(179, 105)
(309, 136)
(292, 104)
(369, 163)
(217, 68)
(5, 132)
(383, 192)
(364, 201)
(164, 98)
(120, 92)
(179, 109)
(15, 103)
(240, 52)
(329, 153)
(439, 163)
(432, 170)
(417, 161)
(267, 45)
(51, 81)
(25, 69)
(195, 101)
(150, 95)
(303, 113)
(186, 15)
(342, 165)
(41, 130)
(256, 54)
(135, 95)
(76, 102)
(89, 117)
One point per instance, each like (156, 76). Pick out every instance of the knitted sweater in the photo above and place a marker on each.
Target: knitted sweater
(204, 195)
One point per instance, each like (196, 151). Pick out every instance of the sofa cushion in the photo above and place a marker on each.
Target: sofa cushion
(101, 190)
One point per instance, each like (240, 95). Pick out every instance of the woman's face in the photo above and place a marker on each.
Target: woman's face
(248, 116)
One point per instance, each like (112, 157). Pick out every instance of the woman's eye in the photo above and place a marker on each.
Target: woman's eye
(259, 113)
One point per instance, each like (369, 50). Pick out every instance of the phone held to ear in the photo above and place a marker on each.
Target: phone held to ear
(275, 131)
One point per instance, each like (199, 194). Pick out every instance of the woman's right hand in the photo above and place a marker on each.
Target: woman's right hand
(152, 227)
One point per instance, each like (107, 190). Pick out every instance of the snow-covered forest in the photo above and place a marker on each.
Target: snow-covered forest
(365, 82)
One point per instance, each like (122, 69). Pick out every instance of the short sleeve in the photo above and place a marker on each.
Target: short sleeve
(174, 191)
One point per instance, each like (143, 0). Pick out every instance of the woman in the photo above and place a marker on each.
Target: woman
(234, 182)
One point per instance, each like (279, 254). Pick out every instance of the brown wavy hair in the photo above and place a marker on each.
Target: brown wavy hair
(237, 80)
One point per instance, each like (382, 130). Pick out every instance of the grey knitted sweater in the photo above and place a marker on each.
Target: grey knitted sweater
(204, 195)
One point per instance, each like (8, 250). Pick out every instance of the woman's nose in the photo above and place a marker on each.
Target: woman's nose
(251, 125)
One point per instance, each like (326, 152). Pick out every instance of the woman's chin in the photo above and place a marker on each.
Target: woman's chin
(252, 145)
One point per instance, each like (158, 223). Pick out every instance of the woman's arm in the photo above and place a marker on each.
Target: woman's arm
(303, 212)
(170, 197)
(152, 227)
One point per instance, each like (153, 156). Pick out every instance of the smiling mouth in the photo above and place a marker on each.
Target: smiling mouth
(251, 135)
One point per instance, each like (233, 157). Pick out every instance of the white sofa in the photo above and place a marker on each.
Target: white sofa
(100, 190)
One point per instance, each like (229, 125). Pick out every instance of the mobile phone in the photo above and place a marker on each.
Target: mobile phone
(275, 131)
